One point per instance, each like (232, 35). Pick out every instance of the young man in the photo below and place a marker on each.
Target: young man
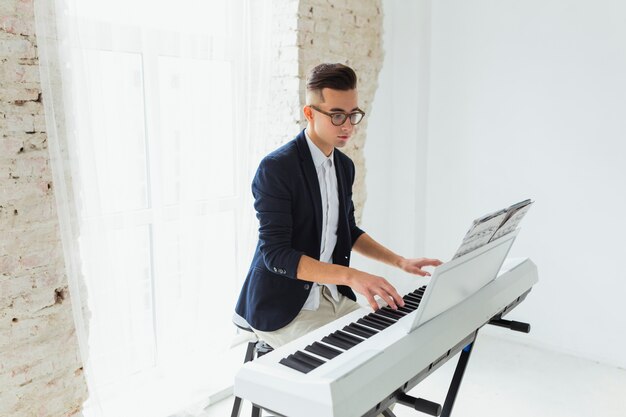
(300, 277)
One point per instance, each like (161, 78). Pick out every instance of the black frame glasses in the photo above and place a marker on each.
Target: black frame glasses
(339, 118)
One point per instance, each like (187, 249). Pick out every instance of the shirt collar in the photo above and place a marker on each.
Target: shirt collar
(318, 156)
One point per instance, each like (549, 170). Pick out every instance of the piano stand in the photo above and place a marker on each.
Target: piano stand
(456, 379)
(517, 326)
(429, 407)
(419, 404)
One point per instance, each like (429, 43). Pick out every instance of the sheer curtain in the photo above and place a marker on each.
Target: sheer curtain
(153, 111)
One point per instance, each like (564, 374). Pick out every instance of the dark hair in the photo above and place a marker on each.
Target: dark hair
(335, 76)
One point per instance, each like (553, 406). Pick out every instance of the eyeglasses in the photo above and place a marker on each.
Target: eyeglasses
(339, 118)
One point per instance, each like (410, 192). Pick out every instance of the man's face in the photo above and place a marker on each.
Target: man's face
(321, 130)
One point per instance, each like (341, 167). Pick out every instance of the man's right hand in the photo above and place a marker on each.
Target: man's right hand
(371, 285)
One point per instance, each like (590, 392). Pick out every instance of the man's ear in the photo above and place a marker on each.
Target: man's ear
(308, 113)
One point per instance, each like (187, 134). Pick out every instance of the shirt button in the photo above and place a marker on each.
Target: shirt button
(307, 286)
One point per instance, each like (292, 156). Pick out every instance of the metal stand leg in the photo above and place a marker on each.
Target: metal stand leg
(456, 380)
(388, 413)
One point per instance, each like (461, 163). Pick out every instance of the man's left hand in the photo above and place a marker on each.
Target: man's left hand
(414, 266)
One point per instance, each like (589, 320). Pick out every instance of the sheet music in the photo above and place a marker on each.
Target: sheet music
(481, 232)
(515, 214)
(493, 226)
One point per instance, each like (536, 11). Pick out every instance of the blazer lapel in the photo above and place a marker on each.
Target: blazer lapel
(342, 226)
(341, 184)
(311, 178)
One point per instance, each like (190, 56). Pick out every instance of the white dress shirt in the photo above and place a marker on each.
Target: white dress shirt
(327, 178)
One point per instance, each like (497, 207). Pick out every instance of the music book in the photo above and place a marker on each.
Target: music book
(493, 226)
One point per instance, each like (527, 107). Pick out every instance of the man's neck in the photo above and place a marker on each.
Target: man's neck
(325, 148)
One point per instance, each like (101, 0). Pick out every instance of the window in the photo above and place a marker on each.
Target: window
(161, 199)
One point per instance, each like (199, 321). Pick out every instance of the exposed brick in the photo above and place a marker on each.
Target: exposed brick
(19, 92)
(38, 347)
(14, 48)
(15, 71)
(350, 32)
(16, 25)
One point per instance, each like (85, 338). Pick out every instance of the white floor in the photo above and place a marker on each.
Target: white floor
(504, 378)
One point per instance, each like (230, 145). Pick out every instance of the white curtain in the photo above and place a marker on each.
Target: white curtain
(151, 107)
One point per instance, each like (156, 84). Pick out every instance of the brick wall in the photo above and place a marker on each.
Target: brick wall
(307, 33)
(40, 369)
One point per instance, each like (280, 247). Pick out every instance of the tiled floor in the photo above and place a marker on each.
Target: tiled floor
(508, 379)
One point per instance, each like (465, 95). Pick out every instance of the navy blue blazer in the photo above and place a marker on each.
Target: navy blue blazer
(289, 209)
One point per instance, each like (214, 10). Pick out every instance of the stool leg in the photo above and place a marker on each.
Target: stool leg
(249, 352)
(236, 407)
(248, 358)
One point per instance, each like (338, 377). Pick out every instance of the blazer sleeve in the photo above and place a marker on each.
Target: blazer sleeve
(272, 193)
(355, 231)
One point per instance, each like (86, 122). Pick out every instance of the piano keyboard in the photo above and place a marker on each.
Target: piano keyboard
(396, 357)
(334, 344)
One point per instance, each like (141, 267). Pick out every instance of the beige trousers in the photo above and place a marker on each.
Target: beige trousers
(306, 321)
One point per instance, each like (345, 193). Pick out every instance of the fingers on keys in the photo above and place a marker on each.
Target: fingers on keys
(388, 294)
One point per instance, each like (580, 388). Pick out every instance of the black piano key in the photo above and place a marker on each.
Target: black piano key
(322, 350)
(294, 363)
(411, 304)
(359, 330)
(373, 319)
(407, 298)
(398, 313)
(348, 337)
(335, 341)
(367, 329)
(381, 320)
(387, 314)
(309, 359)
(406, 309)
(381, 317)
(412, 297)
(367, 322)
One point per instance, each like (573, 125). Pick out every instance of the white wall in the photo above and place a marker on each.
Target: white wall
(483, 103)
(528, 99)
